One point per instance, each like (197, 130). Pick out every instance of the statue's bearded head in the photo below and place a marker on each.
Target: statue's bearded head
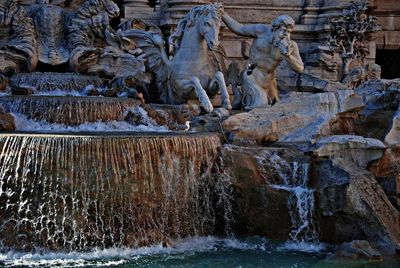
(282, 28)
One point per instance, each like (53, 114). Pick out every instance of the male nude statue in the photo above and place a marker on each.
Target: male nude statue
(271, 45)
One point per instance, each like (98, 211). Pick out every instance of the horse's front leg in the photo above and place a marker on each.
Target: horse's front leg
(201, 94)
(220, 80)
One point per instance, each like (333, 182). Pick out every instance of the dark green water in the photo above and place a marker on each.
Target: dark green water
(197, 253)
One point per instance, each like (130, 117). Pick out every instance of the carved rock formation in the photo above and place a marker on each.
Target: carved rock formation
(359, 150)
(302, 117)
(6, 121)
(17, 39)
(382, 98)
(96, 47)
(257, 207)
(50, 23)
(387, 172)
(353, 206)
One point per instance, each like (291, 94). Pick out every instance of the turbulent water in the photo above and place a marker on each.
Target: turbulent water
(23, 123)
(194, 252)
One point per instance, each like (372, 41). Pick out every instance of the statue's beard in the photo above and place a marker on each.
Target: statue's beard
(282, 44)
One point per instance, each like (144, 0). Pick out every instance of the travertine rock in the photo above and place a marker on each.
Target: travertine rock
(359, 150)
(382, 98)
(302, 117)
(353, 206)
(6, 121)
(387, 172)
(17, 39)
(257, 207)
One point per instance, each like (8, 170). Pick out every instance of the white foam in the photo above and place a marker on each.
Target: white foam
(119, 256)
(60, 92)
(303, 247)
(23, 123)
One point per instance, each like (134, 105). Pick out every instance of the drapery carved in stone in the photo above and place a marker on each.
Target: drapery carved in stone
(17, 39)
(50, 23)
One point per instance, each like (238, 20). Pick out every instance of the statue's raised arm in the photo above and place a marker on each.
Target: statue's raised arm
(249, 30)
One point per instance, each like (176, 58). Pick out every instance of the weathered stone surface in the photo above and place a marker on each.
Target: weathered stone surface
(359, 150)
(302, 117)
(17, 39)
(387, 172)
(381, 99)
(357, 249)
(257, 207)
(306, 82)
(50, 23)
(172, 116)
(352, 206)
(6, 121)
(393, 137)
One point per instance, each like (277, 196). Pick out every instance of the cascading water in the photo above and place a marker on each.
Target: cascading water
(80, 192)
(69, 110)
(300, 204)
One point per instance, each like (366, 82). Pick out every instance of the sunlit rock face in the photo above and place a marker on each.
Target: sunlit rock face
(81, 192)
(301, 117)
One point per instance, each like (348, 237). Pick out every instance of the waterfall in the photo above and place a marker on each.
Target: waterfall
(301, 204)
(79, 192)
(69, 110)
(56, 81)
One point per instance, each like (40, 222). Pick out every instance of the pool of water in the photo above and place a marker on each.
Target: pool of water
(196, 252)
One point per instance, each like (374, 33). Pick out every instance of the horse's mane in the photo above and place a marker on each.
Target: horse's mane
(188, 21)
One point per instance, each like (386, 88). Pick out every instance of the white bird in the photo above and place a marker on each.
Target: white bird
(184, 128)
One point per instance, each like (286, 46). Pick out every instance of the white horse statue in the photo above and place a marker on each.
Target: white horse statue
(195, 64)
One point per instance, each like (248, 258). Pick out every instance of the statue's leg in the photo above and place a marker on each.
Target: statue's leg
(201, 94)
(220, 80)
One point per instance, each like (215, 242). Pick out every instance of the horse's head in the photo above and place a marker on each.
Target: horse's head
(209, 23)
(97, 6)
(207, 20)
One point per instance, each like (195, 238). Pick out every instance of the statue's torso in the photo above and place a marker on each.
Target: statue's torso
(264, 53)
